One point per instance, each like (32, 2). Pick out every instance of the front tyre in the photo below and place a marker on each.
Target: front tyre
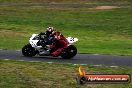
(28, 50)
(69, 52)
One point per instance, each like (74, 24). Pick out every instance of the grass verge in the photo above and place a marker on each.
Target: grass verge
(21, 74)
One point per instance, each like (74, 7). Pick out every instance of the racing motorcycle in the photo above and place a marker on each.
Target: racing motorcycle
(35, 47)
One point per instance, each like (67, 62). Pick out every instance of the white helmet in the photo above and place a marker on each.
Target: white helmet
(50, 29)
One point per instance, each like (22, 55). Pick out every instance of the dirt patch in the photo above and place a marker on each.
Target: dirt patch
(106, 7)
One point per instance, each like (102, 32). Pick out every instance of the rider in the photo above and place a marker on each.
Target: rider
(56, 41)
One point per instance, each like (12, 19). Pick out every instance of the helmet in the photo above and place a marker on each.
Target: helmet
(50, 29)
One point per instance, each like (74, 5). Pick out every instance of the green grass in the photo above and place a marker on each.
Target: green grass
(69, 1)
(16, 74)
(98, 31)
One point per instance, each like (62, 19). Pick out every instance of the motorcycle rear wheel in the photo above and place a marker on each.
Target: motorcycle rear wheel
(69, 52)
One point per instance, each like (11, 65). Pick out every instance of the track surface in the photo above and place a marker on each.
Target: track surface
(90, 59)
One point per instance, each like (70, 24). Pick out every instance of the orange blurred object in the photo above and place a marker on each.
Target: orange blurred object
(82, 72)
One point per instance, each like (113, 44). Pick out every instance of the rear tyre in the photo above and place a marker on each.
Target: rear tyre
(69, 52)
(29, 51)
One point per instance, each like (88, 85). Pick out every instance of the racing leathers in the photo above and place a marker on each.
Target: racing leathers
(59, 43)
(56, 41)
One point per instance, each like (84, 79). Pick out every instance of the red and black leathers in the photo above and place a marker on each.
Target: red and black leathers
(60, 43)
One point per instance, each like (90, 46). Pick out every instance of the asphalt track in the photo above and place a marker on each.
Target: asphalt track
(90, 59)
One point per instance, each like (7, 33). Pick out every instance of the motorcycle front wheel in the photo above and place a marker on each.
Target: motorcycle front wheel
(28, 50)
